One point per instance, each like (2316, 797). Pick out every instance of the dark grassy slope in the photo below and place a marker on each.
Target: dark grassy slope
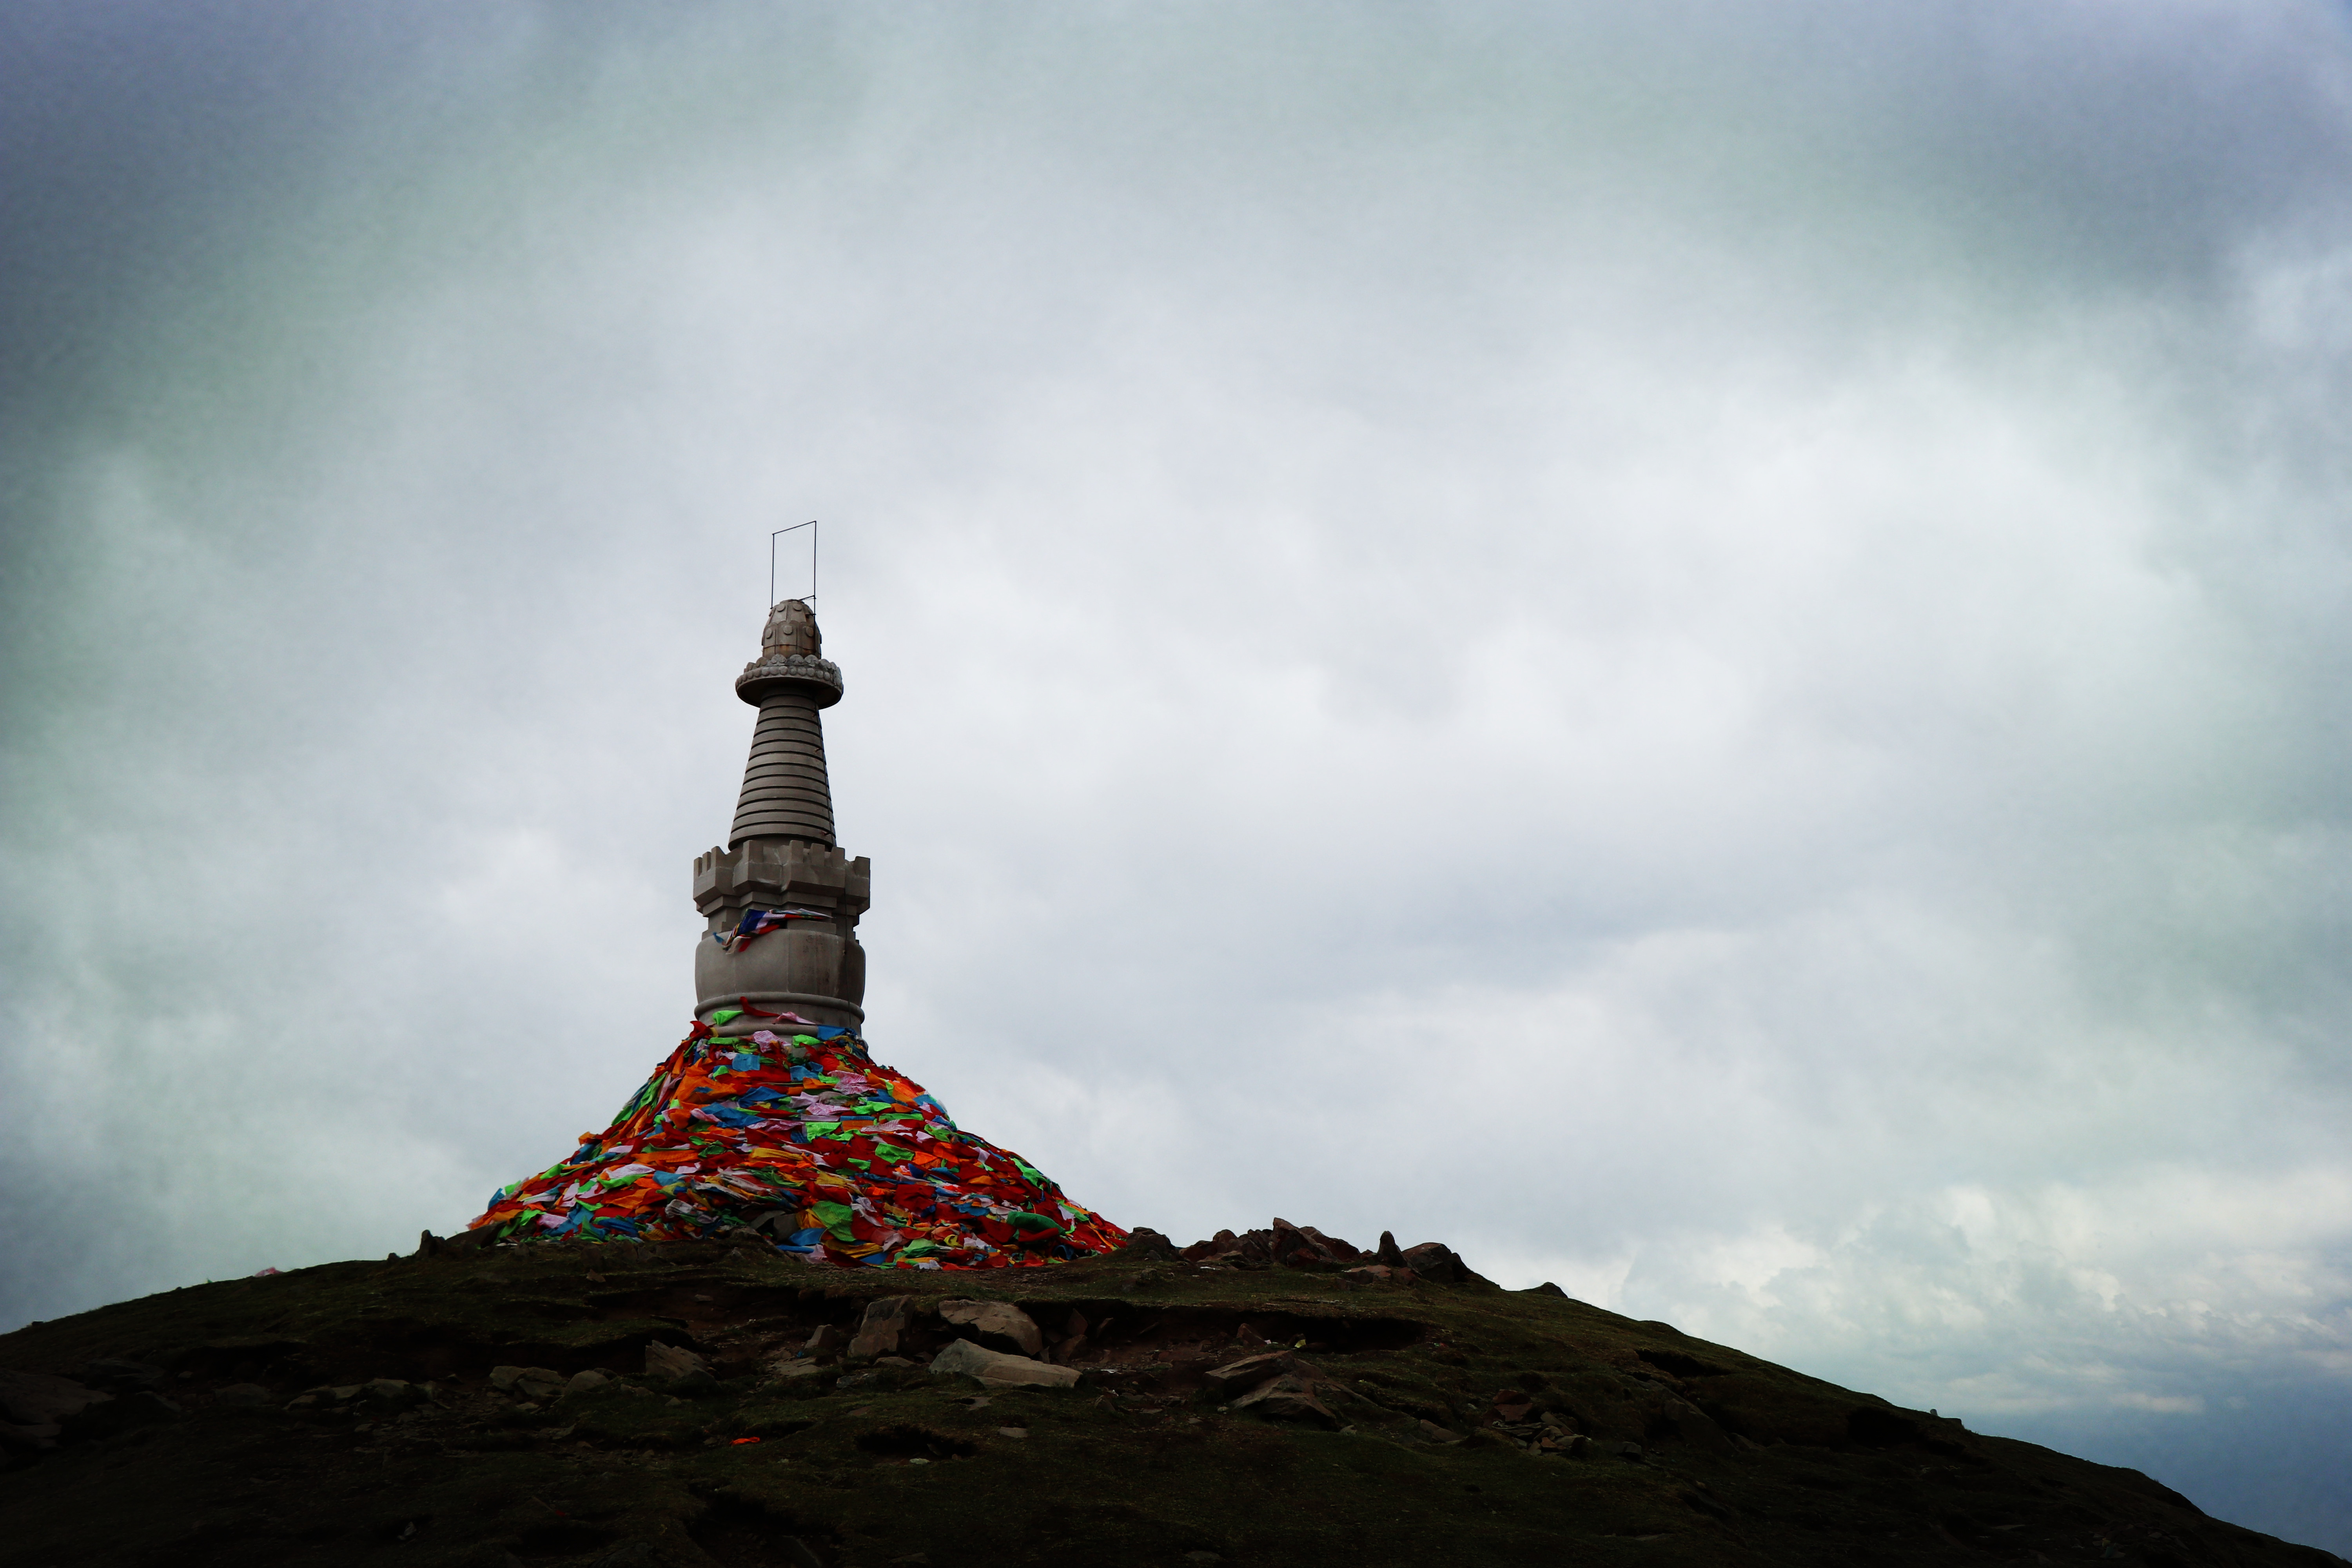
(1676, 1451)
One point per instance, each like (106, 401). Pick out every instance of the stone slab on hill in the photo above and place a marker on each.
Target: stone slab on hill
(1238, 1410)
(995, 1369)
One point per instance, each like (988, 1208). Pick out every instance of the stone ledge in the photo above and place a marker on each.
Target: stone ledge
(763, 675)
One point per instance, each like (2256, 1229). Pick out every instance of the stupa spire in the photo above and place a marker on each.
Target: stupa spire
(785, 791)
(780, 902)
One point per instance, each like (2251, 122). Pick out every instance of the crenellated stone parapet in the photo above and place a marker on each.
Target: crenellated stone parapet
(769, 870)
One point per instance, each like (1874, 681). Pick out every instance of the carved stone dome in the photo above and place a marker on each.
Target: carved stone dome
(790, 660)
(790, 628)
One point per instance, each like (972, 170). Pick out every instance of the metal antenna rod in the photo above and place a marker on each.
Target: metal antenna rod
(771, 558)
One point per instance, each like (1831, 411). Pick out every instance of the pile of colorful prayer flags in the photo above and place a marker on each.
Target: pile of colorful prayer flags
(805, 1140)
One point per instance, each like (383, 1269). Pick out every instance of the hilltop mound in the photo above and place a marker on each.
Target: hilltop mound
(688, 1404)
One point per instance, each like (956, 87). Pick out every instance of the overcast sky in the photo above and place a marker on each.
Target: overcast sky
(1704, 654)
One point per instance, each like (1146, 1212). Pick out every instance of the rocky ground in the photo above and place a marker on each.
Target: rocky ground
(1274, 1398)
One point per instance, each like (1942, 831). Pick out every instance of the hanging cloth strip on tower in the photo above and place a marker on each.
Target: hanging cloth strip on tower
(759, 922)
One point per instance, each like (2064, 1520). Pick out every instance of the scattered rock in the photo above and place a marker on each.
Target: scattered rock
(138, 1408)
(116, 1375)
(1434, 1433)
(242, 1395)
(1250, 1370)
(698, 1383)
(1143, 1242)
(581, 1382)
(522, 1381)
(888, 1324)
(1006, 1325)
(1290, 1246)
(1332, 1245)
(663, 1361)
(1389, 1252)
(1435, 1261)
(28, 1438)
(1294, 1247)
(390, 1393)
(996, 1370)
(1073, 1342)
(1221, 1245)
(1280, 1387)
(37, 1399)
(1380, 1273)
(1288, 1397)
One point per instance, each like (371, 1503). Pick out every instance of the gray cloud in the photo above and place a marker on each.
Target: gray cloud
(1699, 652)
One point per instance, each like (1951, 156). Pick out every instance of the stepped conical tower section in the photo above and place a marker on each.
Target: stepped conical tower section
(781, 869)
